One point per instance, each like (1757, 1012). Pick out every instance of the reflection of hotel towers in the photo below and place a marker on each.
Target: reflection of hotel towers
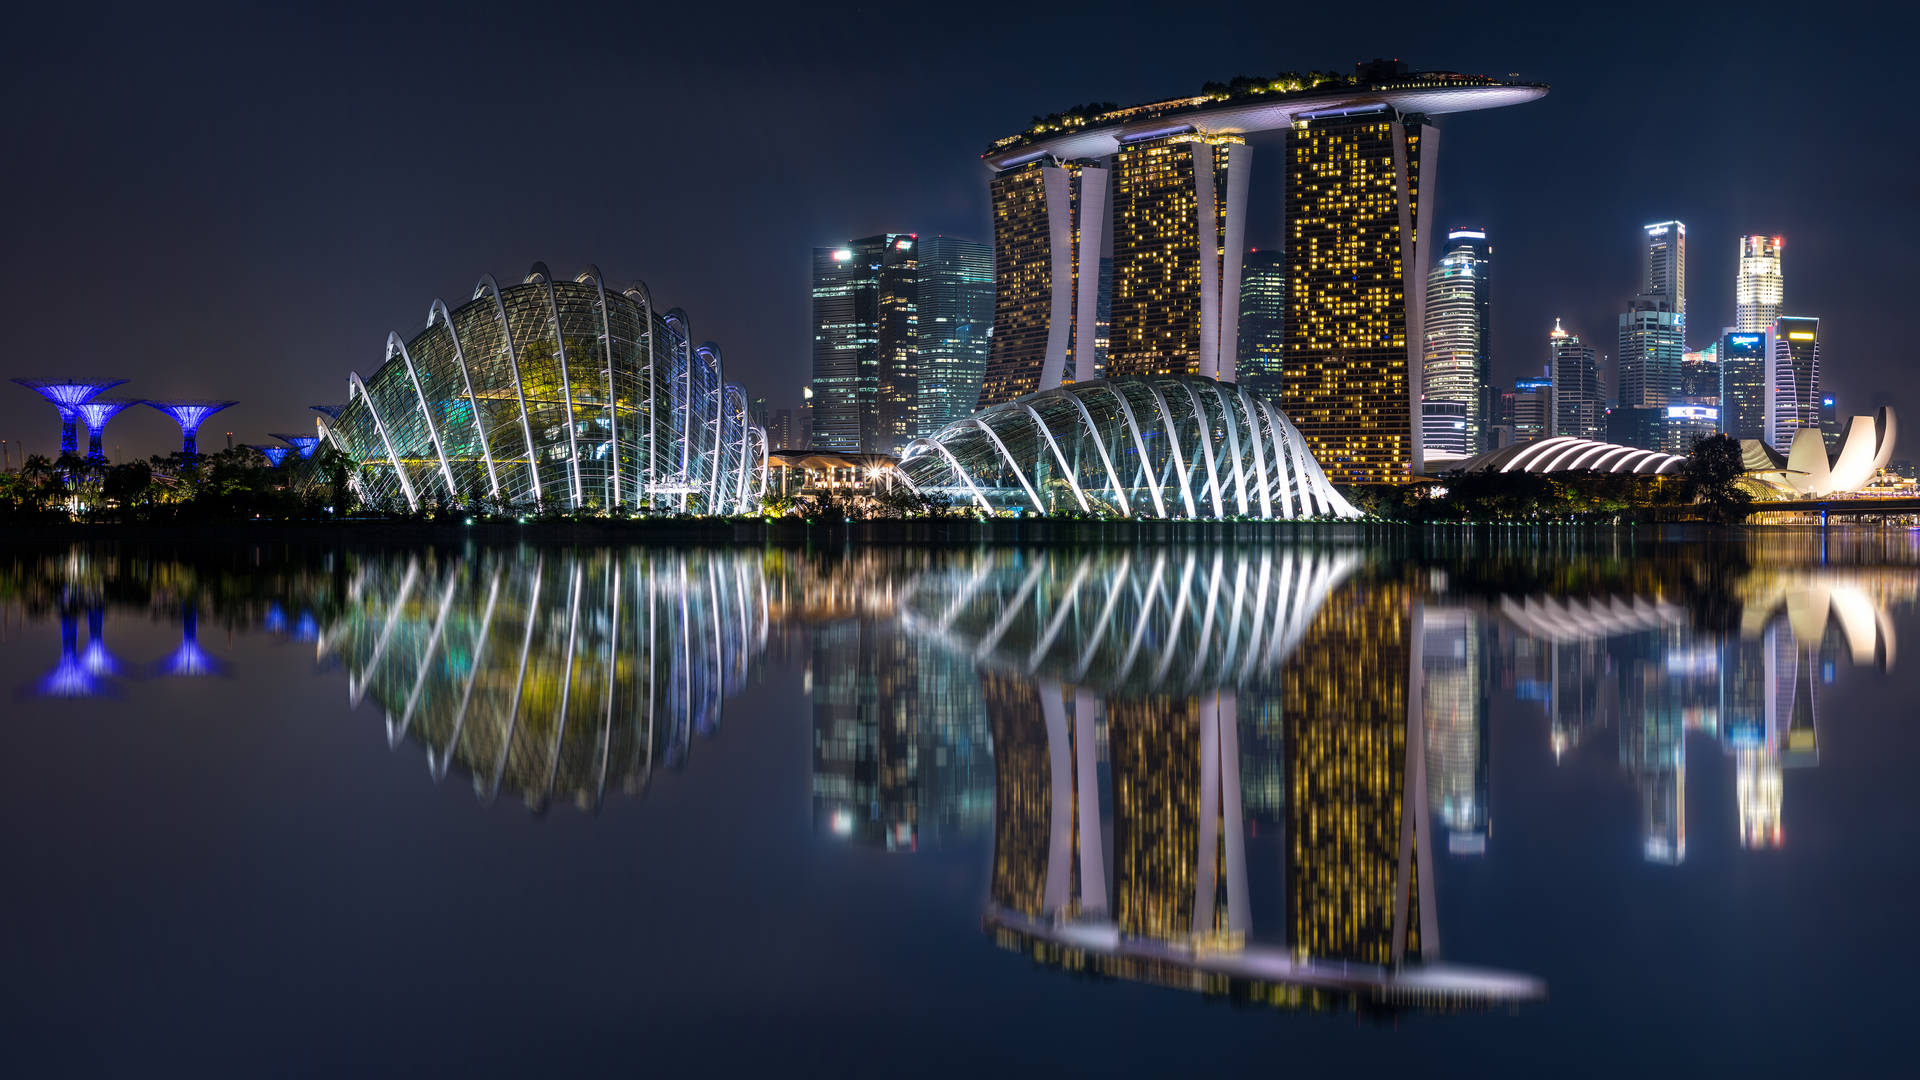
(1357, 880)
(900, 752)
(553, 673)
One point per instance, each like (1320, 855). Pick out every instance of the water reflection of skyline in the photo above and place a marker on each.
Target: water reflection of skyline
(1230, 771)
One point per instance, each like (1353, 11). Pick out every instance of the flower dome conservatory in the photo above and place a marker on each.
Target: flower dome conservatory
(1161, 447)
(555, 394)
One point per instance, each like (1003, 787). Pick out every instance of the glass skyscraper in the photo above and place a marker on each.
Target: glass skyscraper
(1793, 389)
(1263, 320)
(1760, 286)
(865, 344)
(1459, 330)
(1666, 267)
(1743, 384)
(955, 312)
(1579, 408)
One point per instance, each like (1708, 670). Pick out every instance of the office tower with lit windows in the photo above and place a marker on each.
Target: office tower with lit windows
(1263, 321)
(1830, 423)
(1049, 219)
(1700, 376)
(1759, 286)
(1532, 411)
(1179, 226)
(781, 432)
(1745, 361)
(1103, 317)
(1345, 697)
(1793, 388)
(1578, 408)
(1652, 341)
(955, 313)
(1666, 268)
(1443, 430)
(1358, 209)
(865, 344)
(1459, 330)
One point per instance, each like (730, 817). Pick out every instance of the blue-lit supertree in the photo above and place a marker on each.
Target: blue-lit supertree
(66, 395)
(306, 444)
(96, 412)
(190, 413)
(275, 454)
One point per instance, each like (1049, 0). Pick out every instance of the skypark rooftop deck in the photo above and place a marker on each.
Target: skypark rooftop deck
(1433, 92)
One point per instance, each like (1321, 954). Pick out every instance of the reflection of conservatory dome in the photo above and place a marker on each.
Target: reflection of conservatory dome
(566, 678)
(508, 396)
(1162, 447)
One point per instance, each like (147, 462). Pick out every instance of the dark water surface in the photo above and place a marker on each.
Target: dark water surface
(1513, 804)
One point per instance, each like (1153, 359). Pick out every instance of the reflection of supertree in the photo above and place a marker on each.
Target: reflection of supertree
(553, 675)
(70, 676)
(66, 396)
(99, 662)
(188, 659)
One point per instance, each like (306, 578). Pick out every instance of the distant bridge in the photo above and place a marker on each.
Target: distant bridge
(1854, 507)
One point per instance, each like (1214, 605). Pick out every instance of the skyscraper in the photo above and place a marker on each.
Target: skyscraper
(1793, 387)
(1039, 244)
(1666, 272)
(1578, 407)
(1652, 340)
(1358, 217)
(1759, 287)
(1459, 330)
(865, 339)
(1263, 320)
(1744, 383)
(1179, 222)
(955, 312)
(1532, 407)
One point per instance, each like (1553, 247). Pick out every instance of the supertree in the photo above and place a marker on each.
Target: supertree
(306, 444)
(66, 395)
(275, 454)
(96, 412)
(190, 413)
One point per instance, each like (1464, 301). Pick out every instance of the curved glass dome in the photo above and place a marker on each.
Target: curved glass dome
(554, 394)
(1162, 447)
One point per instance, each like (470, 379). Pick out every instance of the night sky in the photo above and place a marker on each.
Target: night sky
(243, 203)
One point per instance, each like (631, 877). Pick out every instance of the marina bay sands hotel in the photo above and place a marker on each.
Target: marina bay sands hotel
(1164, 187)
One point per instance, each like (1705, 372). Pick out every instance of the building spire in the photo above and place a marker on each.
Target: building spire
(1557, 332)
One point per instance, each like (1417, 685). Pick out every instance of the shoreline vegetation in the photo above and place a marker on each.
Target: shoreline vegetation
(239, 492)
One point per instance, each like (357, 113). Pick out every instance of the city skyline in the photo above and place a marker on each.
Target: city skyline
(144, 224)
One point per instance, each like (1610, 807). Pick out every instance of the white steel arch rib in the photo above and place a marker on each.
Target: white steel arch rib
(566, 386)
(1535, 450)
(708, 348)
(439, 308)
(1232, 421)
(1018, 473)
(1205, 429)
(592, 273)
(1073, 482)
(406, 486)
(639, 291)
(1586, 457)
(1100, 445)
(1173, 449)
(954, 464)
(1604, 461)
(1140, 445)
(433, 432)
(489, 286)
(1259, 451)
